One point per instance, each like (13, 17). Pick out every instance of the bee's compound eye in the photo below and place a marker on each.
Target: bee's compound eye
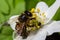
(22, 18)
(28, 13)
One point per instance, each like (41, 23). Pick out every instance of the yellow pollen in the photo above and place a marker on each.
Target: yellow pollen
(33, 28)
(38, 27)
(34, 15)
(32, 10)
(42, 22)
(38, 10)
(28, 28)
(43, 14)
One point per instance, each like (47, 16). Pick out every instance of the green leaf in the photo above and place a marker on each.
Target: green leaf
(2, 19)
(48, 2)
(7, 8)
(31, 4)
(4, 37)
(57, 15)
(8, 38)
(6, 33)
(6, 30)
(3, 6)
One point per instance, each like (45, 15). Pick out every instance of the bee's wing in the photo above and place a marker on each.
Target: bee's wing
(12, 21)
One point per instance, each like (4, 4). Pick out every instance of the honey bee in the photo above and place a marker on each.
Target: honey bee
(21, 25)
(24, 24)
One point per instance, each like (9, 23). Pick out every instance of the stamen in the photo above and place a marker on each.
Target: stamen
(42, 21)
(38, 27)
(38, 10)
(33, 28)
(34, 15)
(32, 10)
(43, 14)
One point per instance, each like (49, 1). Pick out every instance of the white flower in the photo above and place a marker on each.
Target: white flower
(49, 27)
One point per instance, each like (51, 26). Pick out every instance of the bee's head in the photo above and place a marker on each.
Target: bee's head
(25, 16)
(29, 14)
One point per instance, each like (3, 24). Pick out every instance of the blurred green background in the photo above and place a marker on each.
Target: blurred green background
(9, 8)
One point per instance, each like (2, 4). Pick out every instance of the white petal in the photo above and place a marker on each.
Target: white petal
(47, 30)
(16, 36)
(12, 21)
(53, 27)
(52, 10)
(58, 1)
(49, 12)
(41, 35)
(42, 6)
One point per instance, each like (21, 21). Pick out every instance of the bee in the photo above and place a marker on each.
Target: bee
(21, 25)
(24, 24)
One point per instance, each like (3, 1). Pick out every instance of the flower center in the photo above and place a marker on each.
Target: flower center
(40, 16)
